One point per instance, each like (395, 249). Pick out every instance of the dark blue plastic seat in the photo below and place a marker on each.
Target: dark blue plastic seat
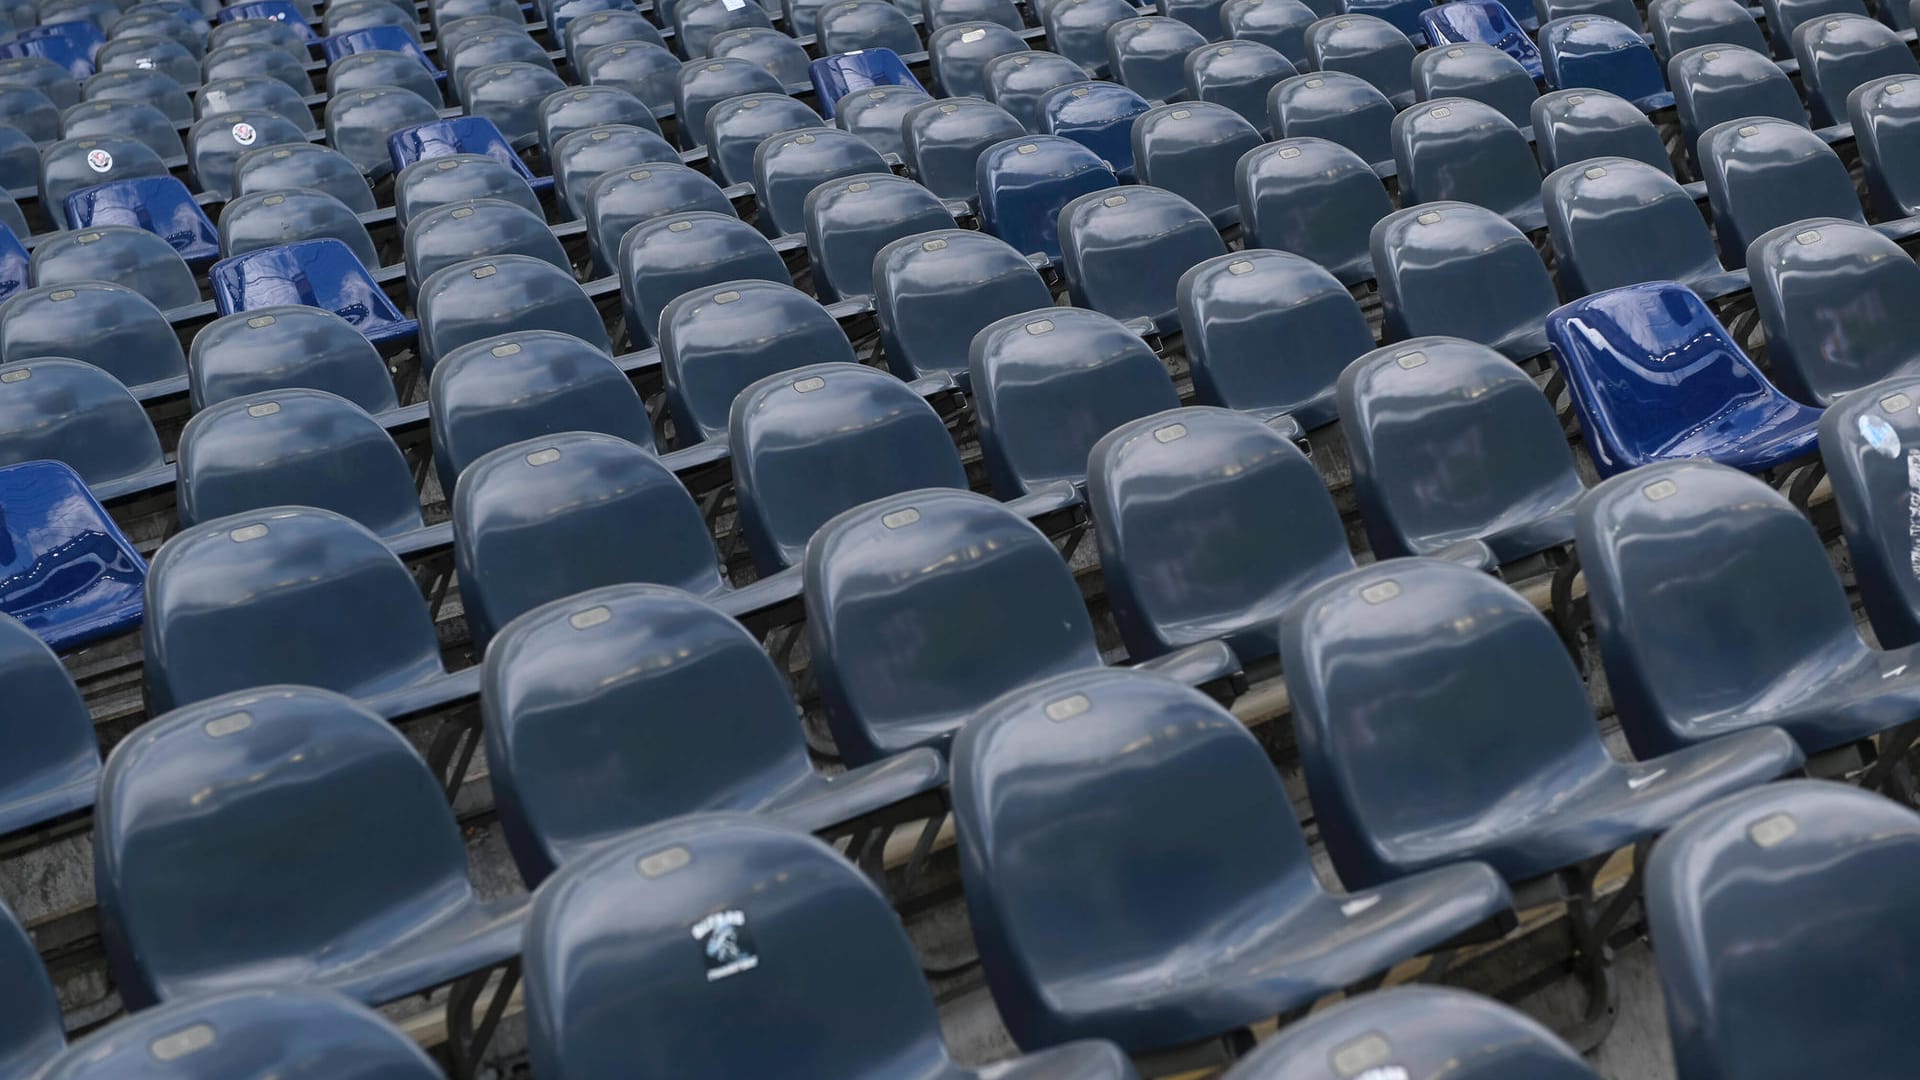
(934, 292)
(849, 26)
(1077, 30)
(1192, 150)
(1571, 126)
(786, 169)
(377, 906)
(1238, 75)
(1233, 308)
(250, 58)
(836, 76)
(705, 83)
(72, 164)
(347, 43)
(767, 47)
(1025, 182)
(1461, 150)
(855, 997)
(1149, 55)
(214, 143)
(109, 326)
(1421, 1031)
(1049, 383)
(1060, 795)
(1655, 377)
(715, 342)
(1864, 443)
(1480, 72)
(1016, 82)
(1884, 114)
(666, 256)
(876, 114)
(70, 577)
(61, 50)
(1828, 292)
(52, 409)
(476, 229)
(455, 136)
(697, 22)
(849, 220)
(1616, 221)
(322, 273)
(502, 294)
(121, 254)
(942, 142)
(583, 107)
(1595, 52)
(1369, 48)
(361, 120)
(1097, 115)
(582, 157)
(641, 68)
(1338, 107)
(1124, 252)
(1762, 173)
(256, 92)
(1451, 269)
(959, 54)
(1174, 496)
(1486, 22)
(440, 181)
(1841, 52)
(124, 117)
(737, 127)
(1456, 454)
(308, 165)
(33, 1032)
(1679, 25)
(624, 198)
(1313, 198)
(1281, 25)
(270, 219)
(270, 348)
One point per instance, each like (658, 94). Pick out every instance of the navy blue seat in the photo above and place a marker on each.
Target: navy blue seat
(1655, 377)
(255, 92)
(856, 999)
(1778, 913)
(1420, 1031)
(786, 169)
(666, 256)
(378, 906)
(1883, 114)
(696, 22)
(1124, 252)
(834, 77)
(72, 164)
(476, 229)
(308, 165)
(270, 219)
(1407, 661)
(1076, 946)
(1149, 55)
(583, 107)
(934, 292)
(767, 47)
(737, 127)
(705, 83)
(109, 326)
(1827, 291)
(1679, 25)
(1338, 107)
(1617, 221)
(1017, 81)
(123, 117)
(349, 43)
(502, 294)
(1713, 84)
(1369, 48)
(1595, 52)
(1077, 30)
(1485, 22)
(270, 348)
(1451, 269)
(1238, 75)
(120, 254)
(1570, 126)
(1862, 442)
(1456, 454)
(320, 273)
(1098, 116)
(1049, 383)
(33, 1032)
(1174, 497)
(1281, 25)
(249, 1033)
(582, 157)
(1313, 198)
(361, 120)
(63, 410)
(70, 577)
(641, 68)
(214, 143)
(458, 135)
(715, 342)
(849, 220)
(876, 113)
(959, 53)
(1480, 72)
(628, 671)
(1024, 183)
(623, 198)
(1840, 53)
(1461, 150)
(440, 181)
(14, 264)
(1192, 150)
(1233, 308)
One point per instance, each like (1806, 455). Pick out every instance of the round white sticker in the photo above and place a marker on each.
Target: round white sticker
(244, 134)
(99, 160)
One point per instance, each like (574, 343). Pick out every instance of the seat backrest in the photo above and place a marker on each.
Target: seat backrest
(1049, 383)
(320, 273)
(594, 29)
(900, 595)
(120, 254)
(941, 14)
(1864, 443)
(715, 342)
(666, 256)
(1098, 116)
(32, 113)
(850, 219)
(178, 840)
(787, 167)
(1124, 252)
(1783, 17)
(1336, 106)
(1819, 283)
(837, 77)
(1174, 497)
(934, 291)
(702, 84)
(1679, 25)
(1595, 51)
(642, 68)
(53, 757)
(125, 117)
(854, 25)
(307, 165)
(1778, 913)
(1368, 47)
(270, 348)
(159, 204)
(583, 107)
(294, 447)
(270, 219)
(581, 157)
(215, 142)
(1456, 270)
(254, 92)
(623, 198)
(959, 53)
(875, 113)
(942, 142)
(1713, 84)
(1016, 82)
(1841, 52)
(1191, 149)
(1024, 183)
(360, 120)
(1616, 221)
(767, 47)
(1482, 22)
(510, 95)
(696, 22)
(1278, 24)
(109, 326)
(64, 410)
(477, 229)
(1312, 198)
(365, 71)
(736, 128)
(453, 136)
(1884, 113)
(1451, 442)
(1466, 151)
(503, 294)
(1077, 30)
(1238, 75)
(31, 1032)
(1570, 126)
(605, 505)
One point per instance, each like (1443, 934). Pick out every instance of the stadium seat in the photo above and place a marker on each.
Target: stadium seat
(439, 181)
(320, 273)
(455, 136)
(1598, 53)
(959, 54)
(1827, 291)
(582, 157)
(736, 128)
(131, 119)
(144, 86)
(71, 577)
(377, 905)
(1713, 84)
(1098, 116)
(696, 22)
(119, 254)
(1202, 15)
(1313, 198)
(1483, 22)
(590, 31)
(1840, 53)
(664, 257)
(109, 326)
(502, 294)
(851, 991)
(1024, 183)
(1123, 252)
(1461, 150)
(1339, 108)
(1402, 15)
(33, 1032)
(1451, 269)
(847, 26)
(1783, 17)
(942, 142)
(941, 14)
(159, 204)
(623, 198)
(786, 168)
(1624, 12)
(703, 84)
(214, 143)
(1571, 126)
(39, 73)
(1779, 913)
(63, 410)
(309, 165)
(933, 292)
(1420, 1031)
(715, 342)
(1679, 25)
(361, 120)
(767, 47)
(641, 68)
(1881, 117)
(31, 112)
(485, 55)
(476, 229)
(1456, 454)
(1480, 72)
(509, 95)
(581, 107)
(1369, 48)
(1616, 221)
(1174, 496)
(19, 159)
(1077, 30)
(1762, 173)
(1075, 946)
(876, 114)
(1192, 150)
(1238, 75)
(1017, 81)
(274, 347)
(1281, 25)
(169, 58)
(251, 222)
(1049, 383)
(1864, 441)
(344, 18)
(71, 164)
(14, 265)
(248, 94)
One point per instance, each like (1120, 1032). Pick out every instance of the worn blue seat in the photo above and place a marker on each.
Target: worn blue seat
(361, 120)
(72, 164)
(1098, 116)
(703, 84)
(1480, 72)
(1456, 454)
(120, 254)
(1455, 653)
(1713, 84)
(109, 326)
(673, 254)
(378, 906)
(767, 47)
(737, 127)
(270, 219)
(1338, 107)
(582, 157)
(1884, 115)
(1238, 75)
(1778, 913)
(1654, 377)
(72, 412)
(959, 53)
(32, 1033)
(1839, 53)
(1124, 252)
(849, 220)
(1451, 269)
(1421, 1031)
(1077, 30)
(1017, 81)
(714, 342)
(1863, 439)
(1595, 52)
(1173, 497)
(850, 26)
(876, 113)
(502, 294)
(1314, 198)
(476, 229)
(856, 998)
(1075, 946)
(1571, 126)
(426, 185)
(1487, 22)
(308, 165)
(368, 39)
(458, 135)
(1025, 182)
(786, 169)
(1149, 55)
(627, 671)
(1827, 291)
(70, 577)
(697, 22)
(322, 273)
(583, 107)
(1192, 149)
(834, 77)
(58, 48)
(254, 92)
(215, 142)
(642, 68)
(1280, 25)
(934, 292)
(1462, 150)
(1369, 48)
(269, 348)
(1617, 221)
(360, 14)
(623, 198)
(128, 118)
(1679, 25)
(942, 142)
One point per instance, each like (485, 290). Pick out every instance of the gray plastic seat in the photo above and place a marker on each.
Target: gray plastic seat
(432, 182)
(1148, 55)
(1368, 47)
(854, 25)
(266, 349)
(582, 157)
(705, 83)
(305, 165)
(71, 164)
(933, 293)
(502, 294)
(469, 57)
(594, 29)
(959, 54)
(849, 220)
(1452, 269)
(1314, 198)
(1017, 81)
(19, 159)
(253, 92)
(696, 22)
(1615, 221)
(476, 229)
(53, 409)
(120, 254)
(641, 68)
(150, 52)
(941, 14)
(1679, 25)
(1762, 173)
(510, 96)
(1460, 150)
(270, 32)
(1479, 72)
(669, 255)
(1883, 114)
(1570, 126)
(765, 46)
(146, 86)
(360, 121)
(1077, 30)
(1124, 251)
(1192, 149)
(367, 70)
(581, 107)
(216, 142)
(124, 118)
(787, 168)
(877, 114)
(1281, 25)
(736, 128)
(1839, 53)
(1783, 17)
(623, 198)
(42, 74)
(942, 142)
(1239, 75)
(243, 59)
(269, 219)
(1339, 108)
(109, 326)
(1822, 282)
(1713, 84)
(715, 342)
(30, 111)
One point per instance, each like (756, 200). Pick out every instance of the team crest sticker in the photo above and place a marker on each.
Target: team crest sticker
(99, 160)
(729, 951)
(244, 134)
(1879, 435)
